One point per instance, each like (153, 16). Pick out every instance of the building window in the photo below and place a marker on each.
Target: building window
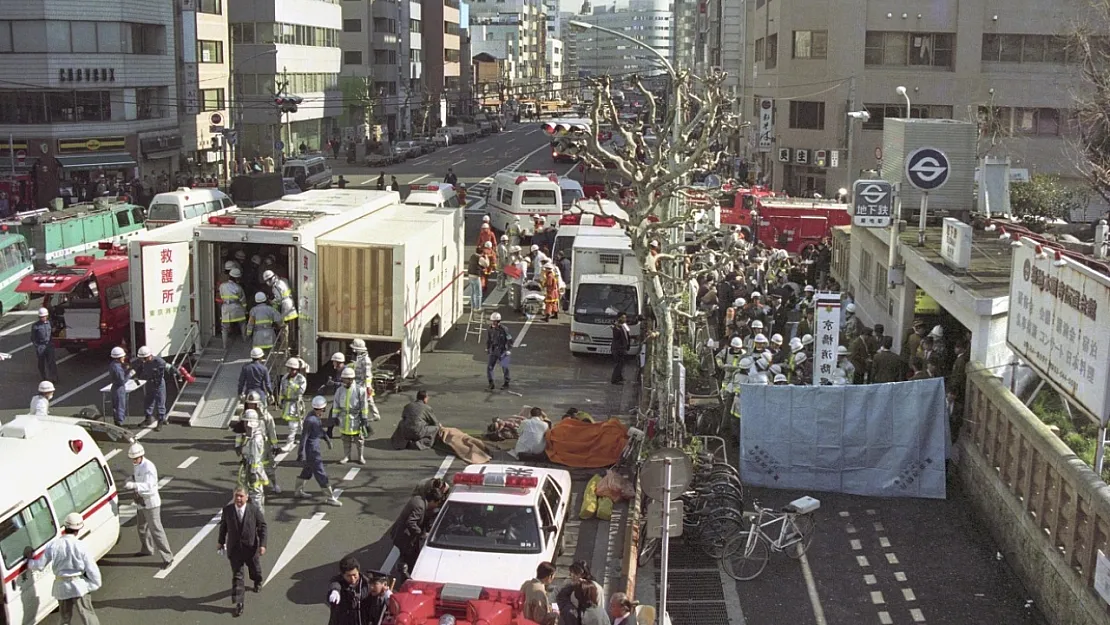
(1025, 49)
(880, 281)
(149, 102)
(898, 49)
(414, 26)
(450, 28)
(450, 56)
(811, 44)
(352, 26)
(416, 55)
(866, 261)
(211, 99)
(352, 57)
(215, 7)
(292, 34)
(210, 51)
(880, 112)
(1040, 122)
(759, 56)
(807, 115)
(772, 51)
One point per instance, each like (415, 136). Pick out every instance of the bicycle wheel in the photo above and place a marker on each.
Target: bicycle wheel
(743, 561)
(804, 524)
(716, 533)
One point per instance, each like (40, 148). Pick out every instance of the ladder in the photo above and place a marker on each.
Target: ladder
(475, 324)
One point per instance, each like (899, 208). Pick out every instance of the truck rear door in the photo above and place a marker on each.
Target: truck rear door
(166, 297)
(305, 288)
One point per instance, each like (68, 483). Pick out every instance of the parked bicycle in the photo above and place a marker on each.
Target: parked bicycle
(746, 554)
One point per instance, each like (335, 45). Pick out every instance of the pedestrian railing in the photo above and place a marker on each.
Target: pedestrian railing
(1062, 503)
(184, 352)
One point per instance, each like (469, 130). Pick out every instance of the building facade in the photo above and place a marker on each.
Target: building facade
(372, 74)
(84, 84)
(205, 53)
(972, 61)
(516, 33)
(554, 68)
(290, 47)
(569, 36)
(648, 21)
(442, 59)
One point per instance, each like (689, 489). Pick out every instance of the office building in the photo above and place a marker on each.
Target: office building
(371, 76)
(442, 60)
(569, 36)
(554, 69)
(205, 50)
(648, 21)
(515, 33)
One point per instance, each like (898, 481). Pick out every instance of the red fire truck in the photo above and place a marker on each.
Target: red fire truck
(88, 301)
(424, 603)
(792, 224)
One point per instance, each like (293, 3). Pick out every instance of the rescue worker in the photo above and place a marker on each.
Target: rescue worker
(537, 259)
(796, 348)
(486, 235)
(263, 324)
(364, 373)
(252, 472)
(728, 360)
(117, 372)
(255, 376)
(803, 369)
(550, 285)
(844, 367)
(338, 363)
(144, 483)
(517, 286)
(757, 329)
(309, 452)
(291, 391)
(283, 295)
(474, 278)
(232, 304)
(350, 412)
(231, 264)
(499, 344)
(490, 266)
(269, 435)
(741, 378)
(40, 403)
(76, 575)
(152, 369)
(504, 256)
(42, 335)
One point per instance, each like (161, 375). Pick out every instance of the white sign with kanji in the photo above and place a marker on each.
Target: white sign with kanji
(826, 326)
(166, 296)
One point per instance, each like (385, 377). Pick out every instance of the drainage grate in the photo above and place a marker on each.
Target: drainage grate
(685, 586)
(698, 613)
(688, 557)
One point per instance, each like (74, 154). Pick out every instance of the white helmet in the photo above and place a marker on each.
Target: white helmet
(807, 339)
(514, 249)
(117, 352)
(259, 297)
(256, 259)
(254, 397)
(809, 288)
(780, 378)
(495, 317)
(736, 343)
(240, 255)
(46, 386)
(535, 248)
(488, 244)
(250, 418)
(347, 374)
(795, 342)
(136, 451)
(504, 237)
(235, 273)
(841, 350)
(653, 243)
(485, 226)
(485, 219)
(229, 265)
(850, 308)
(358, 345)
(144, 352)
(44, 312)
(937, 332)
(756, 294)
(267, 275)
(257, 353)
(776, 339)
(759, 338)
(740, 303)
(746, 362)
(338, 357)
(757, 325)
(74, 521)
(319, 402)
(799, 358)
(776, 368)
(293, 363)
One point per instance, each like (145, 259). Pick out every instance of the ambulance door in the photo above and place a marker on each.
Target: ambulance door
(167, 303)
(28, 594)
(304, 286)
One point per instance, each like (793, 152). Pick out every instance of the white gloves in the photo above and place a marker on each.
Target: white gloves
(129, 485)
(333, 597)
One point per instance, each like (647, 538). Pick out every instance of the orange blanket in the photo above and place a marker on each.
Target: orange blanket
(576, 443)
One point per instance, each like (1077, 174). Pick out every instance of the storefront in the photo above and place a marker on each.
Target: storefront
(17, 177)
(161, 153)
(87, 167)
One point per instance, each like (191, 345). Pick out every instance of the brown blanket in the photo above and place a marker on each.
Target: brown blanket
(575, 443)
(469, 449)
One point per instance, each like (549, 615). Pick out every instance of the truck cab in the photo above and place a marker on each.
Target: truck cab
(606, 280)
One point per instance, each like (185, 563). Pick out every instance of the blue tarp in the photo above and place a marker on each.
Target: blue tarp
(885, 440)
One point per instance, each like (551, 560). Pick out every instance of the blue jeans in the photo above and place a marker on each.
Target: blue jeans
(494, 360)
(474, 284)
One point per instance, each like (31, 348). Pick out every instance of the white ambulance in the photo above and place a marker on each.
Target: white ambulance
(519, 198)
(62, 470)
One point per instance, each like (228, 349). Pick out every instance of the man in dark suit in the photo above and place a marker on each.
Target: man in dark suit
(408, 531)
(243, 536)
(622, 340)
(886, 366)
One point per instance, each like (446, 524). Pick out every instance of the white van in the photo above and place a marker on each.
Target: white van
(309, 172)
(69, 474)
(438, 195)
(184, 204)
(519, 198)
(570, 190)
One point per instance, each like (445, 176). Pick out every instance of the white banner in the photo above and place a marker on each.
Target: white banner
(1059, 325)
(166, 296)
(766, 124)
(884, 440)
(826, 324)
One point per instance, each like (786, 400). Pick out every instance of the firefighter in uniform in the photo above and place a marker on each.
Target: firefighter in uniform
(252, 473)
(232, 304)
(291, 399)
(349, 410)
(310, 452)
(264, 323)
(364, 374)
(40, 403)
(255, 376)
(283, 295)
(268, 429)
(728, 361)
(117, 372)
(152, 369)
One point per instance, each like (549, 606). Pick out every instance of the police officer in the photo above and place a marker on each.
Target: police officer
(255, 376)
(282, 295)
(310, 452)
(263, 324)
(291, 399)
(40, 402)
(42, 333)
(349, 410)
(364, 373)
(252, 472)
(232, 304)
(117, 372)
(153, 370)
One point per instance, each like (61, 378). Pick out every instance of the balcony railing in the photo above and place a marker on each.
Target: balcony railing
(454, 4)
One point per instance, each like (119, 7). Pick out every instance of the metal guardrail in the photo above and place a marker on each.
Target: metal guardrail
(187, 348)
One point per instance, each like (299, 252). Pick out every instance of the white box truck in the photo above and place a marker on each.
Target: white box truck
(606, 280)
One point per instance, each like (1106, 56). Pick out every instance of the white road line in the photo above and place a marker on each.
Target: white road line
(11, 331)
(851, 528)
(350, 474)
(511, 140)
(367, 181)
(862, 561)
(487, 150)
(856, 545)
(188, 462)
(900, 576)
(64, 358)
(891, 558)
(811, 589)
(20, 348)
(907, 594)
(884, 618)
(870, 580)
(188, 548)
(879, 527)
(84, 386)
(444, 467)
(844, 513)
(884, 542)
(872, 512)
(420, 161)
(307, 529)
(23, 313)
(458, 162)
(523, 331)
(394, 553)
(917, 615)
(877, 597)
(416, 180)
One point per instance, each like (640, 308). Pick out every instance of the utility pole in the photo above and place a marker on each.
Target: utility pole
(286, 110)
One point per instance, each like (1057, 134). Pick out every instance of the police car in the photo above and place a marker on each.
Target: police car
(497, 524)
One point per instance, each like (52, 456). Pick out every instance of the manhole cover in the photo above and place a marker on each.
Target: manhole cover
(686, 586)
(698, 613)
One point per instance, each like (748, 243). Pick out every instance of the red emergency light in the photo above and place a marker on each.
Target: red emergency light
(495, 479)
(276, 222)
(570, 220)
(221, 220)
(520, 179)
(604, 221)
(424, 187)
(83, 261)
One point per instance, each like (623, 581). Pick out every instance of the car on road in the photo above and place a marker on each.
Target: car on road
(407, 149)
(509, 518)
(427, 144)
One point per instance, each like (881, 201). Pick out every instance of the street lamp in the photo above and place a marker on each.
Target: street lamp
(853, 116)
(900, 90)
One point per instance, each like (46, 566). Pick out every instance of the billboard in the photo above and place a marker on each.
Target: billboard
(1059, 325)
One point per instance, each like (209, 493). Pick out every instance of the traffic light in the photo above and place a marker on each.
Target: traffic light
(287, 103)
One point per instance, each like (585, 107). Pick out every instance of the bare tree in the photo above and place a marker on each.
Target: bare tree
(657, 171)
(1090, 48)
(992, 123)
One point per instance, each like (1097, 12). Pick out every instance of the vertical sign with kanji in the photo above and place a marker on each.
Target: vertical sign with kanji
(305, 289)
(166, 295)
(826, 323)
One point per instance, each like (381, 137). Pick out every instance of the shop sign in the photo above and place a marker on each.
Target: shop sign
(955, 244)
(190, 81)
(7, 146)
(826, 318)
(766, 124)
(92, 144)
(160, 144)
(1059, 326)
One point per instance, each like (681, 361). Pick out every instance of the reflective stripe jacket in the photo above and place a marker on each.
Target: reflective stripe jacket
(291, 397)
(231, 303)
(263, 326)
(283, 299)
(364, 371)
(351, 411)
(252, 474)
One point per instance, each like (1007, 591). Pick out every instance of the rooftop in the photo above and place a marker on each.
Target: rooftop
(989, 274)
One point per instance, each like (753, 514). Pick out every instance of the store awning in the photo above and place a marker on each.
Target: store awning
(25, 164)
(85, 162)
